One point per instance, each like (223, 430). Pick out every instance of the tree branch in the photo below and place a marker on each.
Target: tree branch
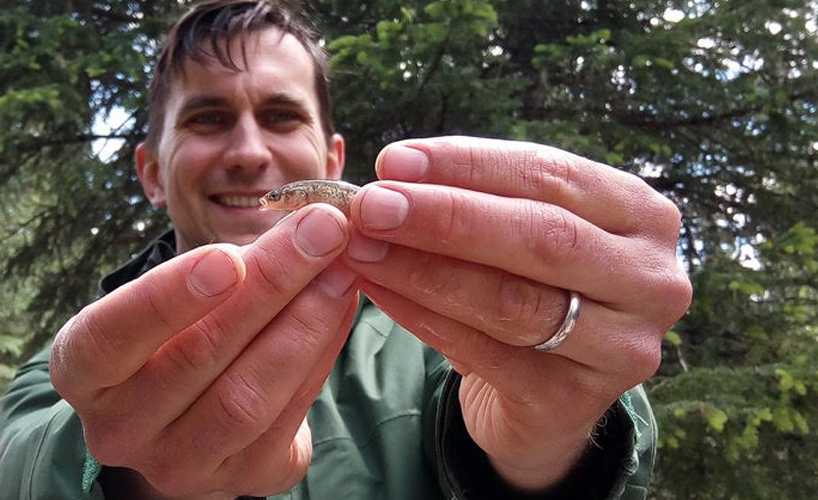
(649, 121)
(115, 16)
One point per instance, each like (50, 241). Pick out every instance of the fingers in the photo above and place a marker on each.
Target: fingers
(219, 382)
(536, 240)
(288, 439)
(611, 199)
(279, 265)
(522, 374)
(110, 339)
(265, 393)
(512, 310)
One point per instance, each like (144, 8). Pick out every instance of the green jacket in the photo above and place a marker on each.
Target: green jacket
(387, 425)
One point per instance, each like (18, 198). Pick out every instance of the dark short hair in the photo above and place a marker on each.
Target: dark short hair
(200, 34)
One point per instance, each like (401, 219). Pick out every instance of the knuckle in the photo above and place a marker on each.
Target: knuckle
(671, 212)
(104, 441)
(299, 456)
(668, 216)
(58, 360)
(425, 275)
(457, 221)
(564, 170)
(150, 292)
(556, 171)
(97, 354)
(468, 159)
(655, 214)
(522, 310)
(200, 350)
(644, 359)
(686, 294)
(552, 234)
(305, 332)
(680, 294)
(242, 405)
(673, 290)
(642, 356)
(276, 278)
(649, 212)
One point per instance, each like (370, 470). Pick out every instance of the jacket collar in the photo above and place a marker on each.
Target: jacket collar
(160, 250)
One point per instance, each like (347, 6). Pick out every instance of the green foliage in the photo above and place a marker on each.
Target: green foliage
(417, 70)
(712, 102)
(67, 212)
(748, 402)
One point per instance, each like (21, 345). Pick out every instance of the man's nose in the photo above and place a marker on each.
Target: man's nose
(248, 148)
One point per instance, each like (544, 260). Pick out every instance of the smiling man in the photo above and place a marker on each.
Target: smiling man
(522, 293)
(229, 133)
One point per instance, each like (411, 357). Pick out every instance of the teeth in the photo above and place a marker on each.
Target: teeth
(239, 201)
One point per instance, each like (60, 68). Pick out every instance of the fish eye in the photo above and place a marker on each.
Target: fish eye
(275, 195)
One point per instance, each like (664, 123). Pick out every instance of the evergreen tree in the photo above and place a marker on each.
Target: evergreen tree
(713, 102)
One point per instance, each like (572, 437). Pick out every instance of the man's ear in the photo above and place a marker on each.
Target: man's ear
(147, 169)
(335, 157)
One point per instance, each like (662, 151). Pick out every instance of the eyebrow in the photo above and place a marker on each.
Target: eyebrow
(209, 101)
(201, 101)
(282, 99)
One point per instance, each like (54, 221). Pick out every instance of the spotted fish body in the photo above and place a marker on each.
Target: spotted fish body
(297, 194)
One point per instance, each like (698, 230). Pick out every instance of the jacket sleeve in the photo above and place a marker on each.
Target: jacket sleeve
(42, 451)
(617, 466)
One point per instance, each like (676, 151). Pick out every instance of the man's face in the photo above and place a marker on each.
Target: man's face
(229, 137)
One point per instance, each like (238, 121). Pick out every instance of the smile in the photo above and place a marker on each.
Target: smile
(237, 200)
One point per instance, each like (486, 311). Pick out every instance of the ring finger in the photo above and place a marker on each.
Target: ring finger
(509, 308)
(590, 352)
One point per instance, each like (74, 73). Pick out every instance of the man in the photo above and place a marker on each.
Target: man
(246, 364)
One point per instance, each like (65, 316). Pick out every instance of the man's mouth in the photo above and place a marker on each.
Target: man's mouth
(236, 201)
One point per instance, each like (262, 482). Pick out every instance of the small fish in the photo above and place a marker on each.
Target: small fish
(297, 194)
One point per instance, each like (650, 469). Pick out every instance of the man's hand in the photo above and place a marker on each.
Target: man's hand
(473, 246)
(199, 374)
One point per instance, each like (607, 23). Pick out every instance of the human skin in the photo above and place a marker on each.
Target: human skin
(472, 245)
(233, 341)
(490, 234)
(237, 135)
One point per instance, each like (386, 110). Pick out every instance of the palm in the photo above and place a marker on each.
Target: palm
(488, 419)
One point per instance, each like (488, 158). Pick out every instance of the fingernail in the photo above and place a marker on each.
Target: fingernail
(213, 274)
(319, 233)
(402, 163)
(336, 280)
(383, 208)
(365, 249)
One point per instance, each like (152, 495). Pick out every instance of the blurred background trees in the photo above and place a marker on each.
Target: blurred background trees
(713, 102)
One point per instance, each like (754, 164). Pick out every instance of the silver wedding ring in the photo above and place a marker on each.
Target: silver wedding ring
(565, 328)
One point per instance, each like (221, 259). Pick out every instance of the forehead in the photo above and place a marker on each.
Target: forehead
(266, 61)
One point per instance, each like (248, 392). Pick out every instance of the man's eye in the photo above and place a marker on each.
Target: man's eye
(278, 117)
(207, 118)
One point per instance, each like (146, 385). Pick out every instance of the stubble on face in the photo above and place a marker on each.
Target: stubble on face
(231, 136)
